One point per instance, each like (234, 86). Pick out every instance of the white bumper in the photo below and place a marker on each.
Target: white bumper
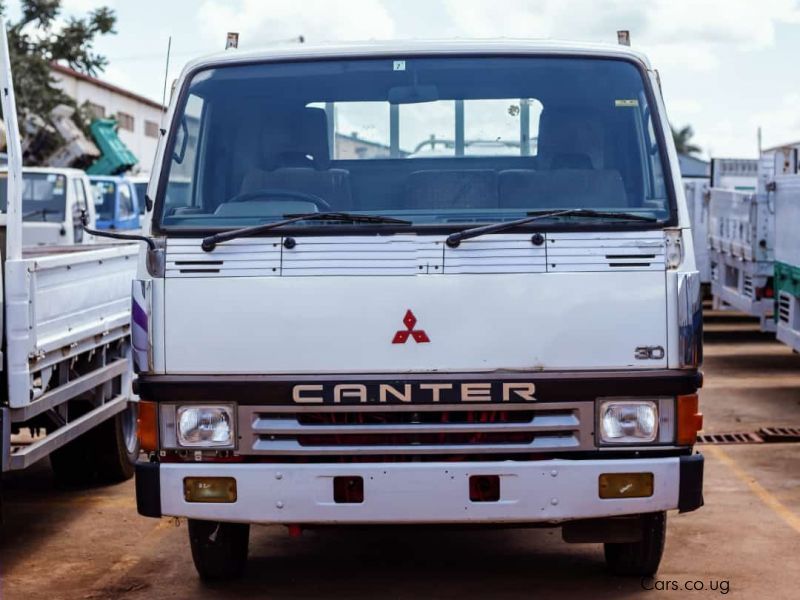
(538, 491)
(789, 336)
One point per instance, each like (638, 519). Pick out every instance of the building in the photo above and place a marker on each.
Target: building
(353, 147)
(691, 166)
(138, 118)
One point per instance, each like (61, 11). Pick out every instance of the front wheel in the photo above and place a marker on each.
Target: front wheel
(643, 557)
(219, 550)
(117, 446)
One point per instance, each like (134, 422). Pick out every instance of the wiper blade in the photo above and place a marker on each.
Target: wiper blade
(603, 214)
(210, 242)
(353, 217)
(454, 239)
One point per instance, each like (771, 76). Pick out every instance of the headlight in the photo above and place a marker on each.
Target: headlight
(628, 421)
(205, 426)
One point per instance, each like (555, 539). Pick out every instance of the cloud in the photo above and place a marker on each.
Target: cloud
(81, 7)
(261, 23)
(694, 35)
(780, 123)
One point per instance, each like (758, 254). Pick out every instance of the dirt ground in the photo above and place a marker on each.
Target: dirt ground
(91, 544)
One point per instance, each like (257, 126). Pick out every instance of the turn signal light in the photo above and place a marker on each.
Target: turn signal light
(209, 489)
(690, 419)
(147, 426)
(626, 485)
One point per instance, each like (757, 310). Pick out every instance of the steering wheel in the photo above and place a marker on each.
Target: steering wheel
(263, 193)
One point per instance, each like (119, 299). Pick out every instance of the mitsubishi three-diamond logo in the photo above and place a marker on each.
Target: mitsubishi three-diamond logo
(402, 336)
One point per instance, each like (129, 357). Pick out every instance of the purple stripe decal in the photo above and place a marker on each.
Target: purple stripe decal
(139, 316)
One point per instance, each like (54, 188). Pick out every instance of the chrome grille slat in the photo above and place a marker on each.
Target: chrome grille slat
(293, 448)
(288, 427)
(286, 431)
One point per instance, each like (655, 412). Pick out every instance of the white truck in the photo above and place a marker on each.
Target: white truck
(66, 380)
(55, 202)
(741, 238)
(696, 191)
(787, 246)
(470, 338)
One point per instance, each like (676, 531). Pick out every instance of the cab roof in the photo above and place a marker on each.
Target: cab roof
(375, 49)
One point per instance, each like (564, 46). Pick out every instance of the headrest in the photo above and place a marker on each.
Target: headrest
(568, 137)
(295, 138)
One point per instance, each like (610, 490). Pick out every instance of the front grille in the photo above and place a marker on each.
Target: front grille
(408, 430)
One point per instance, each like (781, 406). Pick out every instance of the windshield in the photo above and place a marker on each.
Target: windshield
(44, 196)
(437, 141)
(105, 193)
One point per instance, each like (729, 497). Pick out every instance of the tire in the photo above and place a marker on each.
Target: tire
(219, 550)
(105, 454)
(640, 558)
(117, 446)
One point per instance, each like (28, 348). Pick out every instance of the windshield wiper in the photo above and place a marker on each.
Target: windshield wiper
(454, 239)
(210, 242)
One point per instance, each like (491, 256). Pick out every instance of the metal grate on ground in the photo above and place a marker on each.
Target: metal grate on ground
(770, 435)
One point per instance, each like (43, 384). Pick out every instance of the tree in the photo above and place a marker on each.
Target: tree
(682, 138)
(41, 37)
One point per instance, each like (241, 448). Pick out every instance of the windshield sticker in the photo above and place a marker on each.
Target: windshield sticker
(626, 102)
(58, 187)
(399, 65)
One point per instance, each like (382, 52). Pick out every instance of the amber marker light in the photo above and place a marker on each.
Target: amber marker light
(147, 426)
(690, 420)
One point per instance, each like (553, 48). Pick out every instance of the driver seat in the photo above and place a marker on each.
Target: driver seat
(296, 157)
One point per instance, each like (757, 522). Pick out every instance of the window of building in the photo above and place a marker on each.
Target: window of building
(151, 129)
(96, 111)
(125, 121)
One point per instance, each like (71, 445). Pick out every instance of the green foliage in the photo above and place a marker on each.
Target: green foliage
(683, 140)
(41, 36)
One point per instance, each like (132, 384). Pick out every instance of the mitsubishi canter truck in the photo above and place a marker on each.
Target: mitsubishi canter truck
(331, 328)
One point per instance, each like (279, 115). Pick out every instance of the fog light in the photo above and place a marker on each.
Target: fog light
(209, 489)
(626, 485)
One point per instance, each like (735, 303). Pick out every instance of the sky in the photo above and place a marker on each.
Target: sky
(727, 67)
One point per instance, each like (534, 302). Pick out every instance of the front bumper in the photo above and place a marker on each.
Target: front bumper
(536, 491)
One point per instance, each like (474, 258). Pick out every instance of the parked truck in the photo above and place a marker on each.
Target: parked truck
(741, 238)
(477, 338)
(55, 204)
(697, 199)
(787, 245)
(116, 201)
(66, 379)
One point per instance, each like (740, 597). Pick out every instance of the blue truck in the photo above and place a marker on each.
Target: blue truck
(116, 202)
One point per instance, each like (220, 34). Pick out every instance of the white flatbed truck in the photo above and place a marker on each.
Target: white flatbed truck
(66, 381)
(331, 330)
(787, 249)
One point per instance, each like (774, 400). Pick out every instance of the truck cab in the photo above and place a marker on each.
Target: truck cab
(53, 203)
(332, 327)
(116, 202)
